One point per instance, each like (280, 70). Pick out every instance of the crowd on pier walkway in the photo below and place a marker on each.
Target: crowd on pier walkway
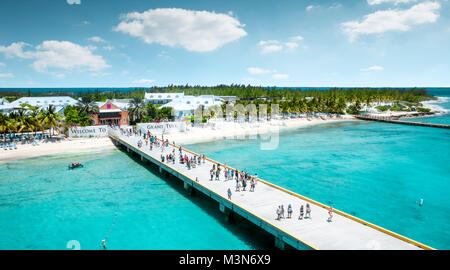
(217, 172)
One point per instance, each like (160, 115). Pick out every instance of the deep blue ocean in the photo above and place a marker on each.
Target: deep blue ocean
(375, 171)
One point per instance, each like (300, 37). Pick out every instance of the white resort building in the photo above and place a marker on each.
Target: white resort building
(60, 102)
(184, 105)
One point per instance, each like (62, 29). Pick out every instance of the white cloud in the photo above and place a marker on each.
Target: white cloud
(311, 7)
(57, 54)
(66, 55)
(97, 39)
(143, 81)
(396, 2)
(109, 48)
(270, 46)
(297, 38)
(392, 20)
(6, 75)
(16, 50)
(257, 71)
(280, 76)
(199, 31)
(76, 2)
(372, 68)
(291, 45)
(2, 64)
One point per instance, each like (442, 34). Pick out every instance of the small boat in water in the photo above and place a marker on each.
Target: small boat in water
(75, 165)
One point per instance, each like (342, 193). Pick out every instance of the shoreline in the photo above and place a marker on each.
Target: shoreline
(223, 130)
(435, 110)
(213, 131)
(51, 148)
(219, 131)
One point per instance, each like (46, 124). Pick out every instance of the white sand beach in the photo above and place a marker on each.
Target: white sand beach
(217, 130)
(220, 130)
(430, 104)
(64, 146)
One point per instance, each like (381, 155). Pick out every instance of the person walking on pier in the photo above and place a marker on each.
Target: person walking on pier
(330, 212)
(279, 213)
(289, 210)
(211, 172)
(229, 194)
(218, 173)
(308, 211)
(282, 211)
(252, 185)
(301, 212)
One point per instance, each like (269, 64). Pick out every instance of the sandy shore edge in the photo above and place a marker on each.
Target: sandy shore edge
(221, 131)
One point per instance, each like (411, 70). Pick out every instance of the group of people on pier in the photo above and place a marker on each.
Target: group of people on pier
(280, 212)
(243, 179)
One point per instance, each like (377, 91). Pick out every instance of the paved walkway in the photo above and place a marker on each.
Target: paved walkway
(342, 233)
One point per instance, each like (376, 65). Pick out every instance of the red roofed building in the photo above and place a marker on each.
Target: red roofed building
(110, 114)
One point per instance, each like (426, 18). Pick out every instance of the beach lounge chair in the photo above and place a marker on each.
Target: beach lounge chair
(10, 147)
(15, 146)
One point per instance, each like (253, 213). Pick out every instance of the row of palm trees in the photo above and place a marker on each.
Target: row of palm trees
(139, 111)
(30, 119)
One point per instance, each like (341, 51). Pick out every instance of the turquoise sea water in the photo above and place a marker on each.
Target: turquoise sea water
(375, 171)
(43, 205)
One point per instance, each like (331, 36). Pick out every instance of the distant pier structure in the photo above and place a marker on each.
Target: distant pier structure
(395, 120)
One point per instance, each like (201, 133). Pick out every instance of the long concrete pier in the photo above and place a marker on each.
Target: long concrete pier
(390, 120)
(345, 232)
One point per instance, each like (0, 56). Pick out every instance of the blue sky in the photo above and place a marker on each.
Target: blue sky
(116, 43)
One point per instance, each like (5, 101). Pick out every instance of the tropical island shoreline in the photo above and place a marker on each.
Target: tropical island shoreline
(217, 128)
(221, 130)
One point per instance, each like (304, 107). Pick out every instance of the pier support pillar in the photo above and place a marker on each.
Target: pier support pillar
(188, 188)
(142, 158)
(279, 243)
(128, 150)
(227, 212)
(160, 170)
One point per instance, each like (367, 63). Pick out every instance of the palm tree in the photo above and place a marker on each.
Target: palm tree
(12, 125)
(3, 125)
(136, 109)
(88, 105)
(50, 118)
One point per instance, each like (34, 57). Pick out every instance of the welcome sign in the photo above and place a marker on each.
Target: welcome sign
(161, 127)
(91, 131)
